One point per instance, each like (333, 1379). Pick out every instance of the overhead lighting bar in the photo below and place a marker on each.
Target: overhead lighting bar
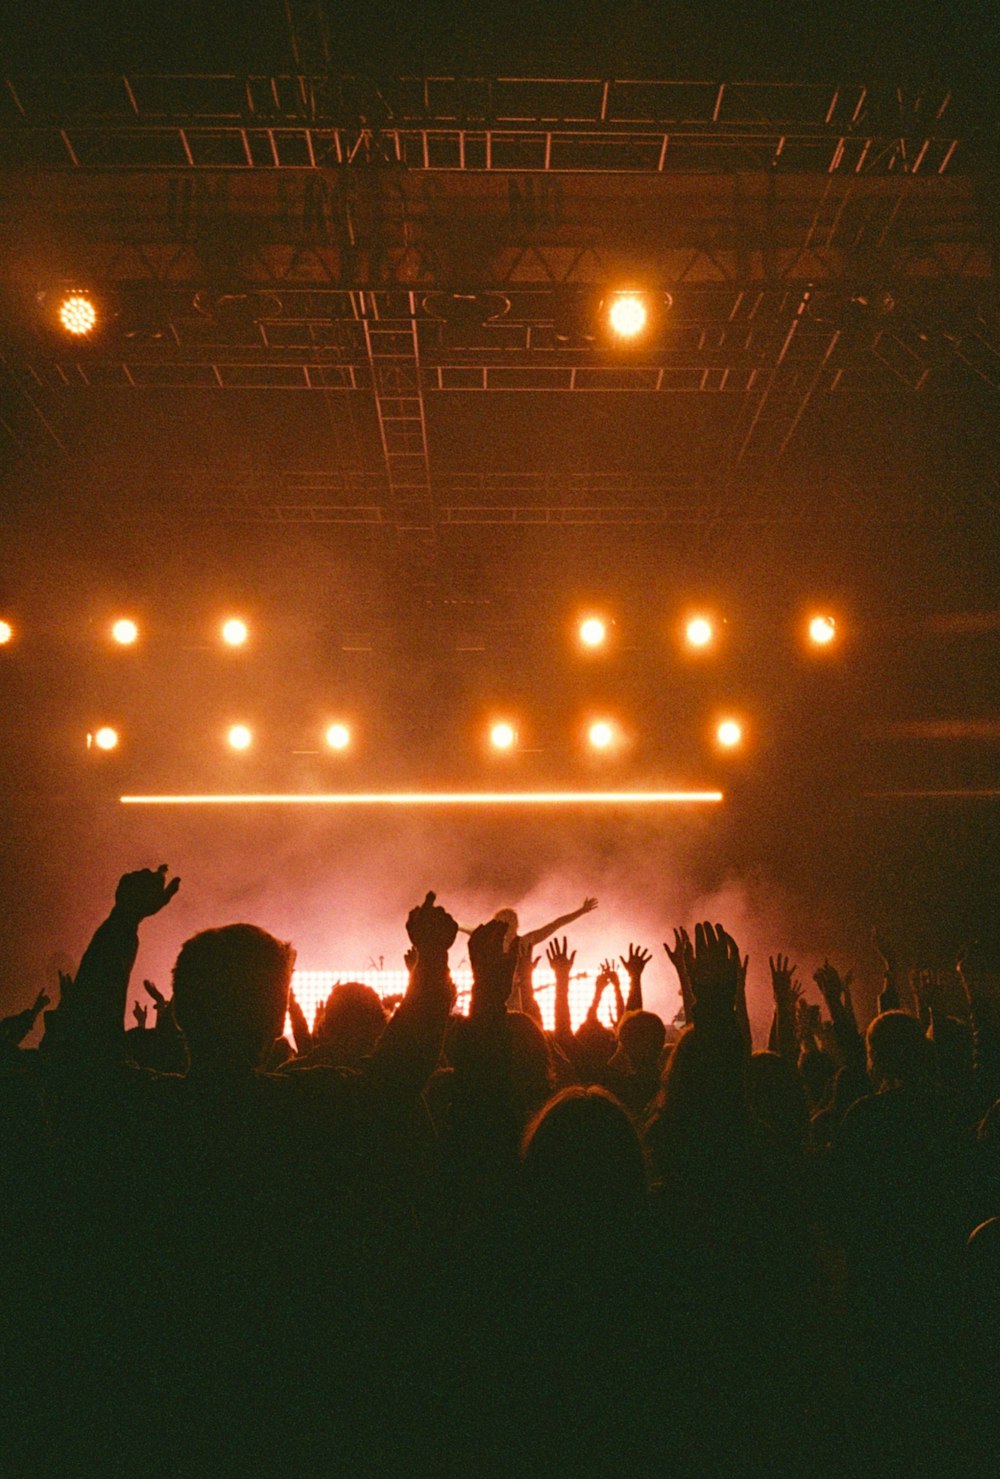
(428, 798)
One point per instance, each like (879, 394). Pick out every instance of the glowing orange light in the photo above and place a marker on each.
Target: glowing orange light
(601, 735)
(429, 798)
(6, 633)
(729, 733)
(822, 630)
(240, 737)
(627, 315)
(593, 631)
(338, 736)
(234, 632)
(125, 631)
(77, 314)
(699, 631)
(105, 738)
(503, 736)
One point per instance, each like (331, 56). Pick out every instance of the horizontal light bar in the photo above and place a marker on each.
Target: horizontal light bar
(427, 798)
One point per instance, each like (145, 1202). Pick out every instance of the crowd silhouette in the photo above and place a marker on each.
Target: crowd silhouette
(424, 1242)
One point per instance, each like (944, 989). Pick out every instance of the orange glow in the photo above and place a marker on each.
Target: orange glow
(125, 632)
(729, 734)
(239, 737)
(338, 736)
(234, 632)
(6, 633)
(593, 631)
(503, 736)
(430, 798)
(105, 738)
(699, 631)
(77, 314)
(627, 315)
(601, 735)
(822, 630)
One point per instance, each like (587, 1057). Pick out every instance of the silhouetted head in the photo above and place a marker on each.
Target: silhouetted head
(642, 1035)
(777, 1098)
(352, 1023)
(231, 993)
(581, 1153)
(898, 1051)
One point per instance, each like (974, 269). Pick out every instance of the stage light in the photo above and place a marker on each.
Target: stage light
(338, 737)
(503, 736)
(699, 631)
(6, 633)
(822, 630)
(593, 632)
(729, 734)
(627, 315)
(427, 798)
(234, 632)
(125, 632)
(105, 738)
(77, 314)
(601, 735)
(239, 737)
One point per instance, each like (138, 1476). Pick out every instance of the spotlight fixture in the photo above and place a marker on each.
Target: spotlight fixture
(338, 737)
(6, 633)
(104, 738)
(125, 632)
(627, 315)
(234, 632)
(601, 735)
(822, 630)
(729, 734)
(78, 314)
(239, 737)
(593, 632)
(503, 736)
(699, 632)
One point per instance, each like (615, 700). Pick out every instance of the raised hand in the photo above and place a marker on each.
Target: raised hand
(492, 967)
(588, 906)
(636, 961)
(833, 988)
(152, 990)
(140, 1013)
(678, 958)
(145, 892)
(39, 1004)
(782, 972)
(431, 929)
(410, 957)
(607, 975)
(560, 958)
(713, 970)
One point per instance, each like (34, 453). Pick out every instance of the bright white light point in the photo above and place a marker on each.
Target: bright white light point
(592, 631)
(106, 738)
(338, 736)
(699, 631)
(627, 315)
(822, 630)
(6, 633)
(239, 737)
(77, 314)
(601, 735)
(729, 733)
(502, 736)
(125, 632)
(234, 632)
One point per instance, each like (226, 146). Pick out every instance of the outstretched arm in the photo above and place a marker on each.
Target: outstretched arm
(635, 962)
(101, 987)
(535, 937)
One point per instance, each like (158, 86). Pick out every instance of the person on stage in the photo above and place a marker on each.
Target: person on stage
(525, 944)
